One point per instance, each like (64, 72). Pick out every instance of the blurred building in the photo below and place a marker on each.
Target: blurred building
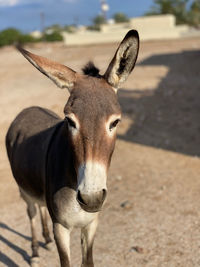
(149, 28)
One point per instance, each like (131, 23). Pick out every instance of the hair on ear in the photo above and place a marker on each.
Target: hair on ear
(91, 70)
(60, 74)
(124, 60)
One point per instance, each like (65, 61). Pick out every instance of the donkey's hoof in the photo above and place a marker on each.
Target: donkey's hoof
(35, 262)
(49, 246)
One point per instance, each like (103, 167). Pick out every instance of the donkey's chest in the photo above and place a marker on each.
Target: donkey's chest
(77, 218)
(68, 211)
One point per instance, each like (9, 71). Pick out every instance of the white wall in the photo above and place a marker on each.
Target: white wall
(149, 28)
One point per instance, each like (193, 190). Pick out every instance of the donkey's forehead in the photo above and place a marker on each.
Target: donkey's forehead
(92, 95)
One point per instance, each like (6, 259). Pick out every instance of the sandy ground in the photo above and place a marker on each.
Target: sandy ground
(152, 215)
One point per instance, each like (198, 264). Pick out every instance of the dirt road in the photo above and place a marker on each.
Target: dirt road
(152, 215)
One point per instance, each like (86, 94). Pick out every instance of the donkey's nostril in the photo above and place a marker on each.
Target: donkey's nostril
(104, 194)
(91, 202)
(79, 198)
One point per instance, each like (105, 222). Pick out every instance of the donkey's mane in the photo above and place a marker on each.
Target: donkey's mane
(91, 70)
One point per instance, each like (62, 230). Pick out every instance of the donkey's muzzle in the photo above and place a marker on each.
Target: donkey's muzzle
(91, 202)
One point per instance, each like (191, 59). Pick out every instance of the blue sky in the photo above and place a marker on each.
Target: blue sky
(25, 14)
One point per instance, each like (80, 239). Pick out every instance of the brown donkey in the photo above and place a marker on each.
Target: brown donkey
(63, 164)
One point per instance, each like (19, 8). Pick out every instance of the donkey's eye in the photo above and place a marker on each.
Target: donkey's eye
(113, 124)
(70, 122)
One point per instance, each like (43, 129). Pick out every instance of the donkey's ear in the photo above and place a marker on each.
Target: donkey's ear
(124, 60)
(61, 75)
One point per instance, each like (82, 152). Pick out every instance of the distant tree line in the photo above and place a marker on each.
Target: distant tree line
(12, 36)
(185, 11)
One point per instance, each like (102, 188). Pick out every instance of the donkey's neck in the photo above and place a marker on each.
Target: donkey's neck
(60, 160)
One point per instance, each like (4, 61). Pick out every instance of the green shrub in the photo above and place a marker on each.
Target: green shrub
(27, 38)
(94, 28)
(120, 18)
(53, 37)
(9, 36)
(70, 28)
(179, 8)
(194, 14)
(99, 20)
(13, 36)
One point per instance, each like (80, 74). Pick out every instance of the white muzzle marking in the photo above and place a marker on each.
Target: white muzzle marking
(92, 177)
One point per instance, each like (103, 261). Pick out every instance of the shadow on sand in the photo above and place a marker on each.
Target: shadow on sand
(167, 117)
(3, 257)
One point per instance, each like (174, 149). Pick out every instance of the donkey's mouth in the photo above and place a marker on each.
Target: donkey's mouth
(91, 203)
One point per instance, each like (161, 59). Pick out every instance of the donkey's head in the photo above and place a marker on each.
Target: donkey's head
(92, 114)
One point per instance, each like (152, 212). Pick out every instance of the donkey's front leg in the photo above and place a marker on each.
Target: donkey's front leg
(87, 239)
(62, 238)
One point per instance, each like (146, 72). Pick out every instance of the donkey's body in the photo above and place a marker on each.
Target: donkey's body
(27, 140)
(63, 164)
(38, 133)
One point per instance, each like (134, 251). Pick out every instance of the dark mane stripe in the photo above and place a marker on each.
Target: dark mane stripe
(91, 70)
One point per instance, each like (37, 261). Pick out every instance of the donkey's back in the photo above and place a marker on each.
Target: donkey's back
(27, 141)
